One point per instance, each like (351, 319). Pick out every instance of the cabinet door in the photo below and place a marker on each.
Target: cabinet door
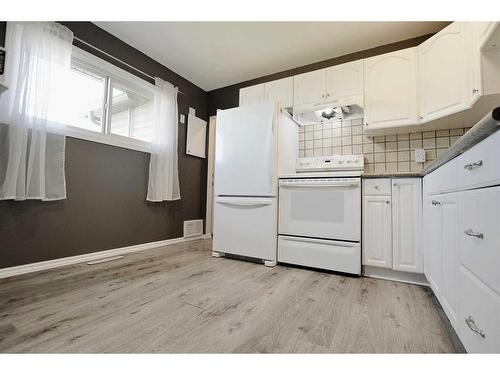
(433, 257)
(309, 87)
(449, 249)
(407, 225)
(391, 89)
(344, 80)
(446, 72)
(377, 240)
(280, 91)
(252, 95)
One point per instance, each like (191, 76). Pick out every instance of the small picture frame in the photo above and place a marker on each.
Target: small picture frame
(196, 136)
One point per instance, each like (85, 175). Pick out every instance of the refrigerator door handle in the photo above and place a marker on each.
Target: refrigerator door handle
(239, 201)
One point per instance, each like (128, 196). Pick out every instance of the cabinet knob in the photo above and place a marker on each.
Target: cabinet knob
(420, 117)
(388, 202)
(475, 91)
(366, 124)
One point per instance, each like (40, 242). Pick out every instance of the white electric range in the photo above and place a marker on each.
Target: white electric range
(320, 214)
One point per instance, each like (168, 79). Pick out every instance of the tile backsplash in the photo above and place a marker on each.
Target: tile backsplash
(390, 153)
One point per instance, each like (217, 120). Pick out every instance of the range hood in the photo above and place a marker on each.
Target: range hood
(336, 110)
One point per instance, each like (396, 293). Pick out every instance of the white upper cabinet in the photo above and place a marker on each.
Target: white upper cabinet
(446, 72)
(252, 95)
(280, 91)
(309, 87)
(407, 225)
(391, 89)
(344, 80)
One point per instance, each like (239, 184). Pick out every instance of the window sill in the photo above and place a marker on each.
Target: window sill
(108, 139)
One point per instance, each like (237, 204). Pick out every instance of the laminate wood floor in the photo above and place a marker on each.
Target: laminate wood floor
(180, 299)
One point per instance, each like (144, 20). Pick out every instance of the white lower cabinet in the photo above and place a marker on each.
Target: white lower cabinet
(441, 249)
(407, 225)
(392, 224)
(377, 231)
(462, 245)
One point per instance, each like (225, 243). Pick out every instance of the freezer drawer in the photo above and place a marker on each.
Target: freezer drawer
(246, 226)
(326, 254)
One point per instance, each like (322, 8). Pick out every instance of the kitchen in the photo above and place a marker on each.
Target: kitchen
(385, 174)
(326, 187)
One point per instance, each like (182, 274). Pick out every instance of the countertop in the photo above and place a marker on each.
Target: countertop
(483, 129)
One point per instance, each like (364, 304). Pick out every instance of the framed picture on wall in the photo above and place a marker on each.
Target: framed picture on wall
(196, 136)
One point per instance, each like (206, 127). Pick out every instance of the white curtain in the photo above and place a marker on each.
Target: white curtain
(31, 159)
(163, 167)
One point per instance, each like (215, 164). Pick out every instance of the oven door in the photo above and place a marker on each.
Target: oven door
(321, 208)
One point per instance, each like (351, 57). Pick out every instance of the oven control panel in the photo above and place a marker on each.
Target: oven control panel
(331, 163)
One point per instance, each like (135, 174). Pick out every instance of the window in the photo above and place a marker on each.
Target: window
(104, 103)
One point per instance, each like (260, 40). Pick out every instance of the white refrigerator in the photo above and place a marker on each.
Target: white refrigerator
(246, 179)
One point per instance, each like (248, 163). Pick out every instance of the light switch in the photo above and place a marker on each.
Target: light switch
(182, 119)
(419, 155)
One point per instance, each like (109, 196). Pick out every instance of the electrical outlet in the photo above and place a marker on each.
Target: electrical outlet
(419, 155)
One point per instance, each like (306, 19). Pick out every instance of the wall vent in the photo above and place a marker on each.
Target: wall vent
(193, 228)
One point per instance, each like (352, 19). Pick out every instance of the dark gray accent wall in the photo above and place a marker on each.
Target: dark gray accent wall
(106, 203)
(228, 97)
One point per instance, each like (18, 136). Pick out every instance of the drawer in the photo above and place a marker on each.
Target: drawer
(377, 186)
(325, 254)
(442, 179)
(478, 315)
(479, 165)
(479, 234)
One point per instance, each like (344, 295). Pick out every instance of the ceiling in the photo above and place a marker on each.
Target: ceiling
(218, 54)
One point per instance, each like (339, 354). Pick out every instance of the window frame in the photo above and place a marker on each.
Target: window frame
(112, 75)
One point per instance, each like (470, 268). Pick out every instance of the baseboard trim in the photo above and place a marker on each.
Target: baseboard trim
(60, 262)
(391, 275)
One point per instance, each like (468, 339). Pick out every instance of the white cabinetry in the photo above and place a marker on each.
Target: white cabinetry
(391, 89)
(309, 88)
(377, 231)
(281, 91)
(441, 214)
(461, 237)
(446, 72)
(344, 81)
(339, 83)
(392, 220)
(407, 224)
(252, 95)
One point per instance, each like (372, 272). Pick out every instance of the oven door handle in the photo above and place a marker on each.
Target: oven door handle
(315, 185)
(320, 241)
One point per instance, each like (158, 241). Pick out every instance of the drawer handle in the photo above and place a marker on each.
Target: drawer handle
(474, 328)
(471, 166)
(375, 187)
(436, 203)
(471, 233)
